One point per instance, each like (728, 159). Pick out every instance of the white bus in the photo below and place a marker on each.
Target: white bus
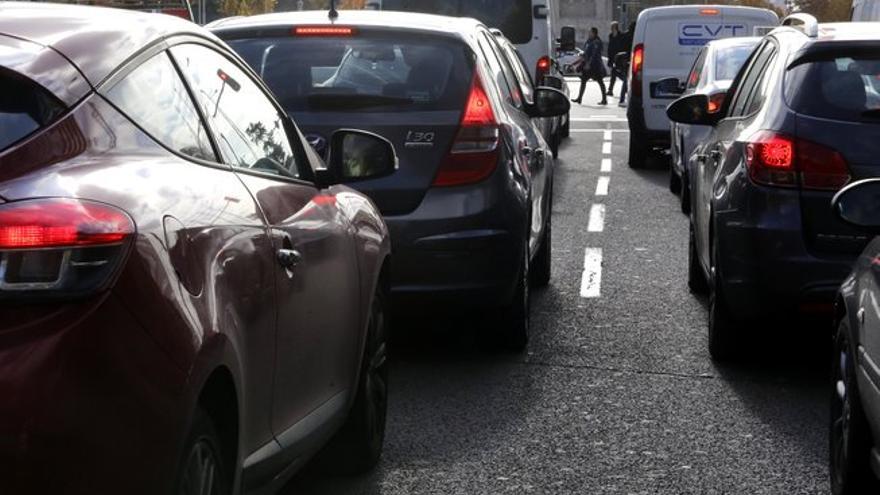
(528, 24)
(866, 10)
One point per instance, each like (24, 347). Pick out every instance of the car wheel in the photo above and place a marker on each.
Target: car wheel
(540, 273)
(723, 329)
(850, 436)
(696, 278)
(685, 193)
(554, 145)
(513, 325)
(202, 470)
(566, 128)
(674, 181)
(357, 446)
(638, 152)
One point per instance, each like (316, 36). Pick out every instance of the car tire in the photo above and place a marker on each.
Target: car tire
(638, 152)
(696, 278)
(566, 128)
(685, 194)
(674, 181)
(554, 145)
(850, 436)
(202, 464)
(357, 446)
(541, 270)
(514, 321)
(723, 329)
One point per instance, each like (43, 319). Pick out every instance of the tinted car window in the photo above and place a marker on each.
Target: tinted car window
(154, 97)
(509, 91)
(750, 79)
(506, 70)
(839, 88)
(512, 17)
(697, 71)
(249, 130)
(522, 75)
(24, 107)
(728, 61)
(378, 72)
(761, 87)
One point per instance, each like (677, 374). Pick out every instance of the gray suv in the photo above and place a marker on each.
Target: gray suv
(469, 207)
(801, 120)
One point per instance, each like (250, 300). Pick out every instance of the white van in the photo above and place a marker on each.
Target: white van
(528, 24)
(866, 10)
(665, 45)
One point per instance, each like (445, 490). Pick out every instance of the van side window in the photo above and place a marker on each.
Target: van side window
(750, 79)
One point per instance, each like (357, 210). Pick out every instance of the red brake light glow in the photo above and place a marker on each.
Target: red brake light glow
(716, 101)
(709, 12)
(478, 110)
(778, 160)
(638, 60)
(323, 31)
(55, 223)
(542, 68)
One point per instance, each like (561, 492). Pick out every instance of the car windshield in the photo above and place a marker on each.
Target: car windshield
(362, 73)
(839, 88)
(512, 17)
(24, 108)
(729, 60)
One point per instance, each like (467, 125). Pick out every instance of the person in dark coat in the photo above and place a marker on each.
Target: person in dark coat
(616, 44)
(621, 61)
(592, 66)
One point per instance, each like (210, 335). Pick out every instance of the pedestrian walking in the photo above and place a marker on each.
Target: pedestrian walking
(616, 44)
(592, 66)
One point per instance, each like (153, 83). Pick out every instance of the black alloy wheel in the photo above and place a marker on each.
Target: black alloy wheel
(357, 446)
(850, 436)
(202, 471)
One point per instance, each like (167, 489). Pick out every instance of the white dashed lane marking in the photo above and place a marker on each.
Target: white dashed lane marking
(597, 218)
(606, 148)
(591, 279)
(602, 186)
(606, 165)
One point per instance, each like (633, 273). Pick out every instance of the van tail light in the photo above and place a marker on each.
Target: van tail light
(542, 68)
(716, 101)
(60, 247)
(775, 159)
(636, 66)
(473, 155)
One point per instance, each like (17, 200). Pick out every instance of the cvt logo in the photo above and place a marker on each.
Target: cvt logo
(698, 34)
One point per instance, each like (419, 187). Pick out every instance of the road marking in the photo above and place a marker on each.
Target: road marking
(598, 130)
(606, 148)
(606, 165)
(607, 136)
(591, 279)
(602, 186)
(597, 218)
(598, 118)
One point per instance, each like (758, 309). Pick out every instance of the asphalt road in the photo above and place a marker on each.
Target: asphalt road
(616, 393)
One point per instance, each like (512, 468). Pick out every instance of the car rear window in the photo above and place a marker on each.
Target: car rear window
(512, 17)
(25, 107)
(728, 61)
(840, 88)
(375, 72)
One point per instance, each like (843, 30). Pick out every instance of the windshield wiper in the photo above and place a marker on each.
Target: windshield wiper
(353, 100)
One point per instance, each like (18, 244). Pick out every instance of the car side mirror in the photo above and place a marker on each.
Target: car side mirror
(691, 109)
(549, 102)
(858, 204)
(669, 86)
(356, 155)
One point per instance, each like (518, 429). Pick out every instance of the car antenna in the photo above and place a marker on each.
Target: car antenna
(333, 14)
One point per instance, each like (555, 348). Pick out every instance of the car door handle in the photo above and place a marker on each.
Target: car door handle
(288, 258)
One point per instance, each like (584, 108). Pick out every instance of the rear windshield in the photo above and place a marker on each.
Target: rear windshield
(512, 17)
(379, 72)
(839, 88)
(25, 107)
(729, 60)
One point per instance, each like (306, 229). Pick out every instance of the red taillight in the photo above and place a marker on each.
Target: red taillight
(542, 68)
(473, 155)
(637, 63)
(60, 245)
(323, 31)
(775, 159)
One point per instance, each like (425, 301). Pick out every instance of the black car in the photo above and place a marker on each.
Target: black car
(801, 120)
(469, 207)
(855, 397)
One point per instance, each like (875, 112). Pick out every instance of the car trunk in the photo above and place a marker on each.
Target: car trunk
(421, 139)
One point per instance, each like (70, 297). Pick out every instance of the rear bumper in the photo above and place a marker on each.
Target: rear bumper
(767, 267)
(461, 247)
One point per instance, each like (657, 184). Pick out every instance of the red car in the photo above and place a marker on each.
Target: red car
(190, 301)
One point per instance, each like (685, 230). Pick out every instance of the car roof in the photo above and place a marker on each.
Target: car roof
(737, 41)
(690, 8)
(94, 39)
(365, 18)
(849, 31)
